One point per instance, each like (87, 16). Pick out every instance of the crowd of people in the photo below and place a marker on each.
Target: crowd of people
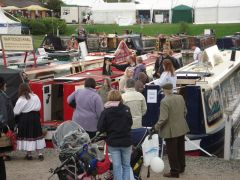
(116, 112)
(119, 112)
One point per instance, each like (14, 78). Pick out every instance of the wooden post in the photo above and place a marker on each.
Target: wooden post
(227, 136)
(35, 59)
(4, 57)
(25, 57)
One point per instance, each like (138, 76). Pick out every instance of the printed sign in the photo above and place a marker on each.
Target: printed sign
(17, 43)
(151, 96)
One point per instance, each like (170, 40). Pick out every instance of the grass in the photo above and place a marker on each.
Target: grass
(150, 29)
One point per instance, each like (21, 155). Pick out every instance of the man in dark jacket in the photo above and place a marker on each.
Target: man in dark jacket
(159, 63)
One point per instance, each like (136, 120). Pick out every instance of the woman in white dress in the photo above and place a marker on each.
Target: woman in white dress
(168, 75)
(26, 110)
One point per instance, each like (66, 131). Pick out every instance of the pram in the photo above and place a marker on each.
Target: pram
(80, 159)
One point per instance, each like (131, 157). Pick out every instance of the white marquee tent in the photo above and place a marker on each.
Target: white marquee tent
(189, 3)
(206, 12)
(229, 11)
(89, 3)
(8, 26)
(111, 13)
(217, 11)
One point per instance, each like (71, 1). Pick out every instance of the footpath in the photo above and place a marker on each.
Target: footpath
(198, 168)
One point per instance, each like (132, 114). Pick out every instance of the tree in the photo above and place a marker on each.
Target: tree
(54, 5)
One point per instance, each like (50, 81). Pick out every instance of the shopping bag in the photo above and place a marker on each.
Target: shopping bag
(13, 138)
(150, 148)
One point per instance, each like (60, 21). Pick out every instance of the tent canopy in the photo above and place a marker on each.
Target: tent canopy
(189, 3)
(182, 13)
(89, 3)
(182, 8)
(8, 26)
(9, 8)
(35, 8)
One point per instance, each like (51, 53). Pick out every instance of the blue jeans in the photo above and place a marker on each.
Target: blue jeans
(121, 162)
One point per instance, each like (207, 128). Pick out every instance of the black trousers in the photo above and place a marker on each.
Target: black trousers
(176, 154)
(2, 169)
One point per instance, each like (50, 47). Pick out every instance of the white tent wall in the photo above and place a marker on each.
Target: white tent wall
(206, 11)
(8, 26)
(82, 2)
(108, 13)
(229, 11)
(162, 7)
(206, 15)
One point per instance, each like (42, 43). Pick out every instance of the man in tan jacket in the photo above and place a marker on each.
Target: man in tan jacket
(172, 126)
(136, 102)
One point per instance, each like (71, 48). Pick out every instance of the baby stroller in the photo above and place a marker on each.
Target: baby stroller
(80, 159)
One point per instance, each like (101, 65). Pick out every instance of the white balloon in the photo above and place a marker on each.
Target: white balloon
(157, 164)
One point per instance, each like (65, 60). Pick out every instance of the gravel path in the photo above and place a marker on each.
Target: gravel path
(202, 168)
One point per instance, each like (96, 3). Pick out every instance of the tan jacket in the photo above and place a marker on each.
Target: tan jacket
(137, 104)
(172, 120)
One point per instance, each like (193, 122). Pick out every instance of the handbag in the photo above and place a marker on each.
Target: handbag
(13, 138)
(5, 141)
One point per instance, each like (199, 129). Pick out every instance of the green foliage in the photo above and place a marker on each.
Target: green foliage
(45, 25)
(183, 28)
(55, 5)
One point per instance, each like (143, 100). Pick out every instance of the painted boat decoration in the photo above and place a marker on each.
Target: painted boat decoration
(209, 87)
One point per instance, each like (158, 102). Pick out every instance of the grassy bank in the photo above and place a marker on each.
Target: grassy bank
(151, 29)
(154, 29)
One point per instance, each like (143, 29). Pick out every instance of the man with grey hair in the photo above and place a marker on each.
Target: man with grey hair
(136, 102)
(172, 126)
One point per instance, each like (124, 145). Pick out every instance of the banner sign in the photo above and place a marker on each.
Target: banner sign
(17, 43)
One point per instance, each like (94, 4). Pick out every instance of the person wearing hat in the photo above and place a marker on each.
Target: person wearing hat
(172, 126)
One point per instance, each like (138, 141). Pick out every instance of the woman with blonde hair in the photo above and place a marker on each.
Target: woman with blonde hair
(168, 75)
(116, 121)
(128, 74)
(105, 88)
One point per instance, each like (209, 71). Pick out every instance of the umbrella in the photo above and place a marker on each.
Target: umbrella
(35, 8)
(10, 8)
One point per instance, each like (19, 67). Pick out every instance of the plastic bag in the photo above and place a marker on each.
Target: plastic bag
(150, 148)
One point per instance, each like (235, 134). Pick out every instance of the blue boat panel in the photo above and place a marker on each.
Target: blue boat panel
(195, 118)
(214, 143)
